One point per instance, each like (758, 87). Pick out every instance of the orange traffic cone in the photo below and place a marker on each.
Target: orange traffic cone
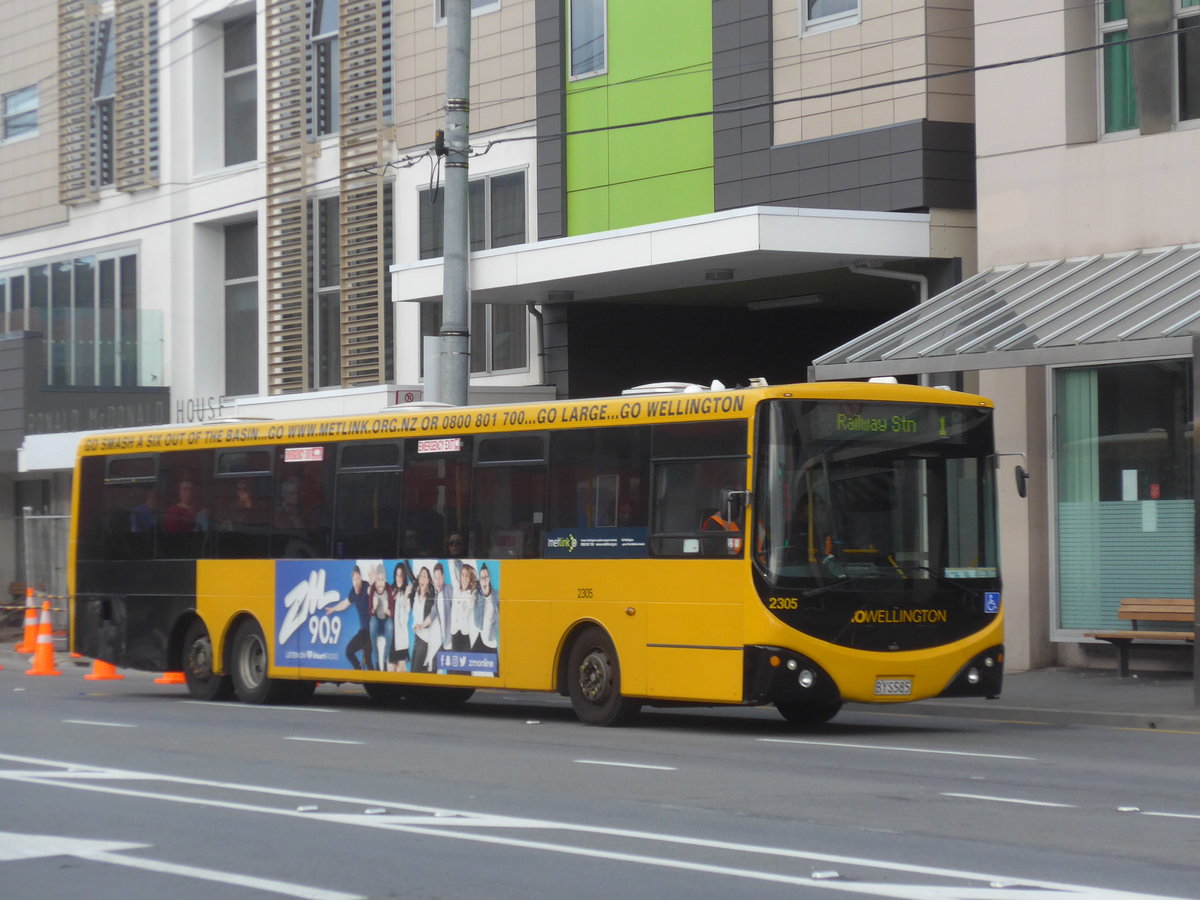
(171, 678)
(43, 656)
(29, 639)
(103, 671)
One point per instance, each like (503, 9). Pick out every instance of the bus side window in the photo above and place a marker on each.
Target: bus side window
(437, 492)
(510, 496)
(597, 478)
(695, 463)
(300, 523)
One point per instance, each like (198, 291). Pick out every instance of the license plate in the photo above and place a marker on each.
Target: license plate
(893, 687)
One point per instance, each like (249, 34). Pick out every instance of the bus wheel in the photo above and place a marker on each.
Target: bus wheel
(437, 697)
(384, 694)
(809, 713)
(594, 681)
(202, 682)
(248, 667)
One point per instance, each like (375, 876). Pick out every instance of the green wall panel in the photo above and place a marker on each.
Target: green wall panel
(659, 65)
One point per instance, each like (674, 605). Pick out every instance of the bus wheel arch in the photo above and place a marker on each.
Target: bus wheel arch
(199, 665)
(591, 675)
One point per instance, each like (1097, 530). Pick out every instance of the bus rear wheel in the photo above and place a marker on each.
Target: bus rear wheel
(198, 664)
(594, 681)
(809, 713)
(248, 668)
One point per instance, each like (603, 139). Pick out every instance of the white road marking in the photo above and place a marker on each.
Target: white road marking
(1010, 800)
(1168, 815)
(100, 724)
(15, 846)
(232, 705)
(977, 885)
(313, 740)
(897, 749)
(625, 765)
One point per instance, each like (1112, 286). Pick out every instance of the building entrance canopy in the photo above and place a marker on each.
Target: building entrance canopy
(722, 254)
(1142, 303)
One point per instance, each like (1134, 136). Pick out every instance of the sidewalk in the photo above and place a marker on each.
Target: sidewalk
(1083, 697)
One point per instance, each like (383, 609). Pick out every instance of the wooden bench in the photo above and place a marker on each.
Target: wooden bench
(1146, 609)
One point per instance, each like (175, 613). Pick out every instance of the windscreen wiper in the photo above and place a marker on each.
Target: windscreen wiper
(844, 582)
(942, 579)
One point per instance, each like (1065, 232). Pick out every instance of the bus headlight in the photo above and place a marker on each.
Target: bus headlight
(973, 675)
(791, 664)
(807, 678)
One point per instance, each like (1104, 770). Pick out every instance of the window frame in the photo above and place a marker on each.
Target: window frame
(572, 75)
(8, 134)
(229, 282)
(237, 74)
(810, 24)
(478, 8)
(325, 115)
(1181, 10)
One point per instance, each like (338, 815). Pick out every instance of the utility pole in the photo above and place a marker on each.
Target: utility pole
(456, 313)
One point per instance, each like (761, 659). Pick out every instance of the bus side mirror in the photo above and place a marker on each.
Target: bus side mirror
(733, 504)
(1022, 477)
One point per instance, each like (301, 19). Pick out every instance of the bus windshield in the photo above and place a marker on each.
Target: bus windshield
(880, 494)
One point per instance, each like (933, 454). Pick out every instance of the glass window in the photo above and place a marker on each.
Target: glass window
(241, 93)
(241, 309)
(691, 484)
(478, 7)
(366, 517)
(437, 492)
(20, 113)
(1120, 107)
(497, 219)
(323, 67)
(103, 100)
(324, 333)
(598, 491)
(1125, 508)
(300, 514)
(589, 38)
(823, 14)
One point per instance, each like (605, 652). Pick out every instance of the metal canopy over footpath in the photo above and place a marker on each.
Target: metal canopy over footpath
(1141, 303)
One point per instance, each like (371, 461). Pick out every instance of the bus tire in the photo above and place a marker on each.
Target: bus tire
(425, 697)
(202, 682)
(384, 694)
(809, 713)
(594, 681)
(248, 667)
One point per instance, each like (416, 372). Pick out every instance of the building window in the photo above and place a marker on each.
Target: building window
(241, 309)
(589, 38)
(325, 331)
(241, 85)
(103, 102)
(20, 113)
(823, 14)
(1124, 487)
(478, 7)
(87, 307)
(323, 67)
(1117, 83)
(497, 219)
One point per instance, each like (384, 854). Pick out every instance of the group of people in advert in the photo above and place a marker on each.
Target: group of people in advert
(415, 615)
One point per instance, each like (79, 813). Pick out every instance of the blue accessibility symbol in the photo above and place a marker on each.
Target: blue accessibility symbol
(991, 601)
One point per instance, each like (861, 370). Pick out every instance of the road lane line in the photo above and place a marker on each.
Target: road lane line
(1010, 800)
(1016, 888)
(232, 705)
(897, 749)
(100, 724)
(625, 765)
(313, 740)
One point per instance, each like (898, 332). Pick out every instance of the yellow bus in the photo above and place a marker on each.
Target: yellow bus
(801, 545)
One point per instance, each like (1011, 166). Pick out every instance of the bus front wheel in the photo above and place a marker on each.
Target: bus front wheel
(594, 681)
(248, 667)
(809, 713)
(202, 682)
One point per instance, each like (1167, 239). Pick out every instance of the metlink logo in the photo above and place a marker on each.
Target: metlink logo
(567, 543)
